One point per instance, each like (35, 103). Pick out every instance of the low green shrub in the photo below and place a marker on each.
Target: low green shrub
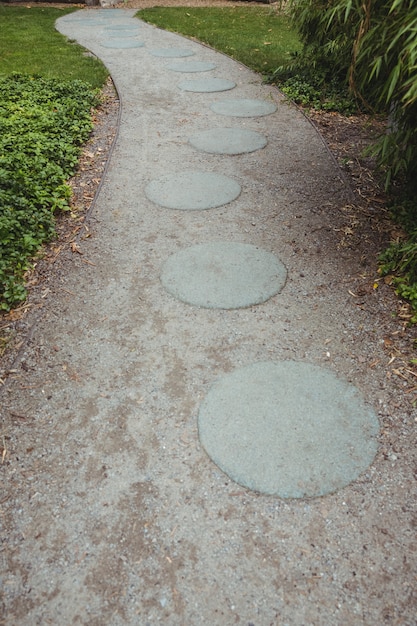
(399, 260)
(314, 92)
(43, 123)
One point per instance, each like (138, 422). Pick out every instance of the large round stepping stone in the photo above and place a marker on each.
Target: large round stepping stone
(288, 429)
(192, 66)
(244, 108)
(223, 275)
(192, 190)
(207, 85)
(228, 141)
(122, 43)
(171, 52)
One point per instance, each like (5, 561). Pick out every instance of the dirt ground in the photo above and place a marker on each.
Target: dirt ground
(359, 544)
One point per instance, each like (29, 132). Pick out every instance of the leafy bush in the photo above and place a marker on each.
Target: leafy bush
(43, 123)
(327, 35)
(371, 46)
(320, 70)
(399, 260)
(310, 90)
(384, 72)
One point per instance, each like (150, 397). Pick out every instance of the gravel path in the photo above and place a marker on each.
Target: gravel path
(113, 513)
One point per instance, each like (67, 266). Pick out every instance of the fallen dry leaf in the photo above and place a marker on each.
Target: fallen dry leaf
(75, 248)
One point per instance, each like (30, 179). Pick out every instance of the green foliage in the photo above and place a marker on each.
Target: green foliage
(316, 75)
(388, 49)
(310, 90)
(327, 30)
(321, 67)
(260, 36)
(30, 44)
(399, 260)
(371, 45)
(43, 123)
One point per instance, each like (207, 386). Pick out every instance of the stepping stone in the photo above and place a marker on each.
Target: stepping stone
(122, 27)
(192, 66)
(207, 85)
(288, 429)
(244, 108)
(85, 21)
(111, 13)
(121, 33)
(228, 141)
(171, 53)
(192, 190)
(122, 43)
(223, 275)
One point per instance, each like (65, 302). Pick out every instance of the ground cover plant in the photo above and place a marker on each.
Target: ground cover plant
(43, 123)
(261, 37)
(44, 120)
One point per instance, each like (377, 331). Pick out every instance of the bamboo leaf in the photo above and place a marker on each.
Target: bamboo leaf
(393, 81)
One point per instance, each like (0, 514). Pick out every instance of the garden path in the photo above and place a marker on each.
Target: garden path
(209, 408)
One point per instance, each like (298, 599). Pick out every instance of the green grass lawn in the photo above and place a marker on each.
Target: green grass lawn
(261, 37)
(30, 44)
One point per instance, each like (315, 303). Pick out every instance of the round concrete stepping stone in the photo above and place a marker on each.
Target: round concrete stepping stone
(84, 21)
(192, 66)
(228, 141)
(111, 13)
(122, 43)
(288, 429)
(207, 85)
(119, 27)
(103, 18)
(244, 108)
(223, 275)
(169, 53)
(192, 190)
(121, 34)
